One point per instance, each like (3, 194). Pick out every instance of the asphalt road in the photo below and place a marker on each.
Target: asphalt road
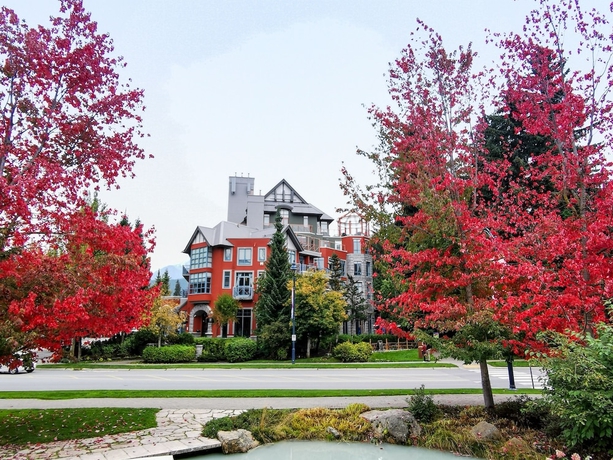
(217, 379)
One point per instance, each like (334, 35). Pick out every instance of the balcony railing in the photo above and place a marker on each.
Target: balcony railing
(242, 292)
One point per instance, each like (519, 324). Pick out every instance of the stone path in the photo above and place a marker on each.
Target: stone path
(178, 432)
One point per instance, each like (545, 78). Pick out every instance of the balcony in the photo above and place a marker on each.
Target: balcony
(186, 272)
(242, 292)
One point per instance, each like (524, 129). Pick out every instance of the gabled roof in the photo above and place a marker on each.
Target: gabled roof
(296, 198)
(219, 235)
(291, 200)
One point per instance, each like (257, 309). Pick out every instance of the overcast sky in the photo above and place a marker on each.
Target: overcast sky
(270, 89)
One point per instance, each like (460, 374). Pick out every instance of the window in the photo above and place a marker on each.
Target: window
(200, 258)
(244, 256)
(261, 254)
(291, 254)
(305, 221)
(200, 283)
(266, 220)
(319, 262)
(243, 286)
(284, 213)
(227, 279)
(367, 268)
(357, 268)
(324, 228)
(227, 254)
(242, 325)
(357, 246)
(343, 267)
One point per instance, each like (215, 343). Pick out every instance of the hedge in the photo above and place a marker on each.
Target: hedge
(348, 352)
(169, 354)
(240, 349)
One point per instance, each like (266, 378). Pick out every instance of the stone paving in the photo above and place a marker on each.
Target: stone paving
(178, 432)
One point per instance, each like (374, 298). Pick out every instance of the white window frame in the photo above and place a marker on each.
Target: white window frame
(227, 276)
(242, 260)
(261, 254)
(227, 254)
(357, 246)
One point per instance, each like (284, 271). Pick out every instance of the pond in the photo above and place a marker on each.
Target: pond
(323, 450)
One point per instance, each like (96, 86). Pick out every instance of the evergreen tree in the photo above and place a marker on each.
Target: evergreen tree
(356, 303)
(274, 295)
(165, 290)
(335, 280)
(158, 279)
(177, 291)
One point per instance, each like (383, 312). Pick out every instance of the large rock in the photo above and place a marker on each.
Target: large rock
(395, 423)
(515, 447)
(235, 442)
(485, 431)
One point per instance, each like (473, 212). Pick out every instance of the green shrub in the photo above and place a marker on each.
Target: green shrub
(184, 338)
(240, 350)
(212, 348)
(579, 389)
(273, 339)
(422, 406)
(348, 352)
(140, 339)
(169, 354)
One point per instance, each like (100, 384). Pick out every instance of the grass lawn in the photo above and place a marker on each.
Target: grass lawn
(76, 394)
(22, 426)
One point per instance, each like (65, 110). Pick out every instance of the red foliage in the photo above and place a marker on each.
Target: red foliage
(478, 245)
(67, 125)
(96, 285)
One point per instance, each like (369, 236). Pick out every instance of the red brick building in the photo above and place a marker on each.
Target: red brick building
(229, 257)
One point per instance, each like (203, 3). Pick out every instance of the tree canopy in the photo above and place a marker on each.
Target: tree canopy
(495, 228)
(68, 126)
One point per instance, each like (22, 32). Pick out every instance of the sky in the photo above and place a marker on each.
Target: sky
(268, 89)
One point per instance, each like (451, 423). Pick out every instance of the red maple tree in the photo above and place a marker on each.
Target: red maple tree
(483, 254)
(68, 124)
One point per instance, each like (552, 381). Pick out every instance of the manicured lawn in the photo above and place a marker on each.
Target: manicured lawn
(396, 356)
(22, 426)
(74, 394)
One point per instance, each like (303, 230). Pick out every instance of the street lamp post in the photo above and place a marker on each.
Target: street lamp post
(293, 314)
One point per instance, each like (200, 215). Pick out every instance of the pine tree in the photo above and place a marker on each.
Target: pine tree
(165, 289)
(335, 280)
(274, 295)
(356, 303)
(177, 291)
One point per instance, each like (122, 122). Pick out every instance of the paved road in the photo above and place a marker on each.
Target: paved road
(216, 379)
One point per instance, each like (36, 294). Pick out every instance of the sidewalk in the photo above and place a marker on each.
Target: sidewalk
(179, 429)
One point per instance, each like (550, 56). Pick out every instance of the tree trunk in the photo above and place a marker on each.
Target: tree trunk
(308, 351)
(160, 340)
(488, 397)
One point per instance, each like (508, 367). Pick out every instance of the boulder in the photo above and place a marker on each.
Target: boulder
(334, 432)
(395, 423)
(235, 442)
(485, 431)
(515, 447)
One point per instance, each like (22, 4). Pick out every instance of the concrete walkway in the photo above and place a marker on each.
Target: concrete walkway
(179, 429)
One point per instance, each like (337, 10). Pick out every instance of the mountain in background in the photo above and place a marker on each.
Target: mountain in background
(176, 274)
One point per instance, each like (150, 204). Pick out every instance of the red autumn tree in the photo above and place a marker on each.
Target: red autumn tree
(441, 261)
(559, 266)
(68, 124)
(92, 283)
(488, 253)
